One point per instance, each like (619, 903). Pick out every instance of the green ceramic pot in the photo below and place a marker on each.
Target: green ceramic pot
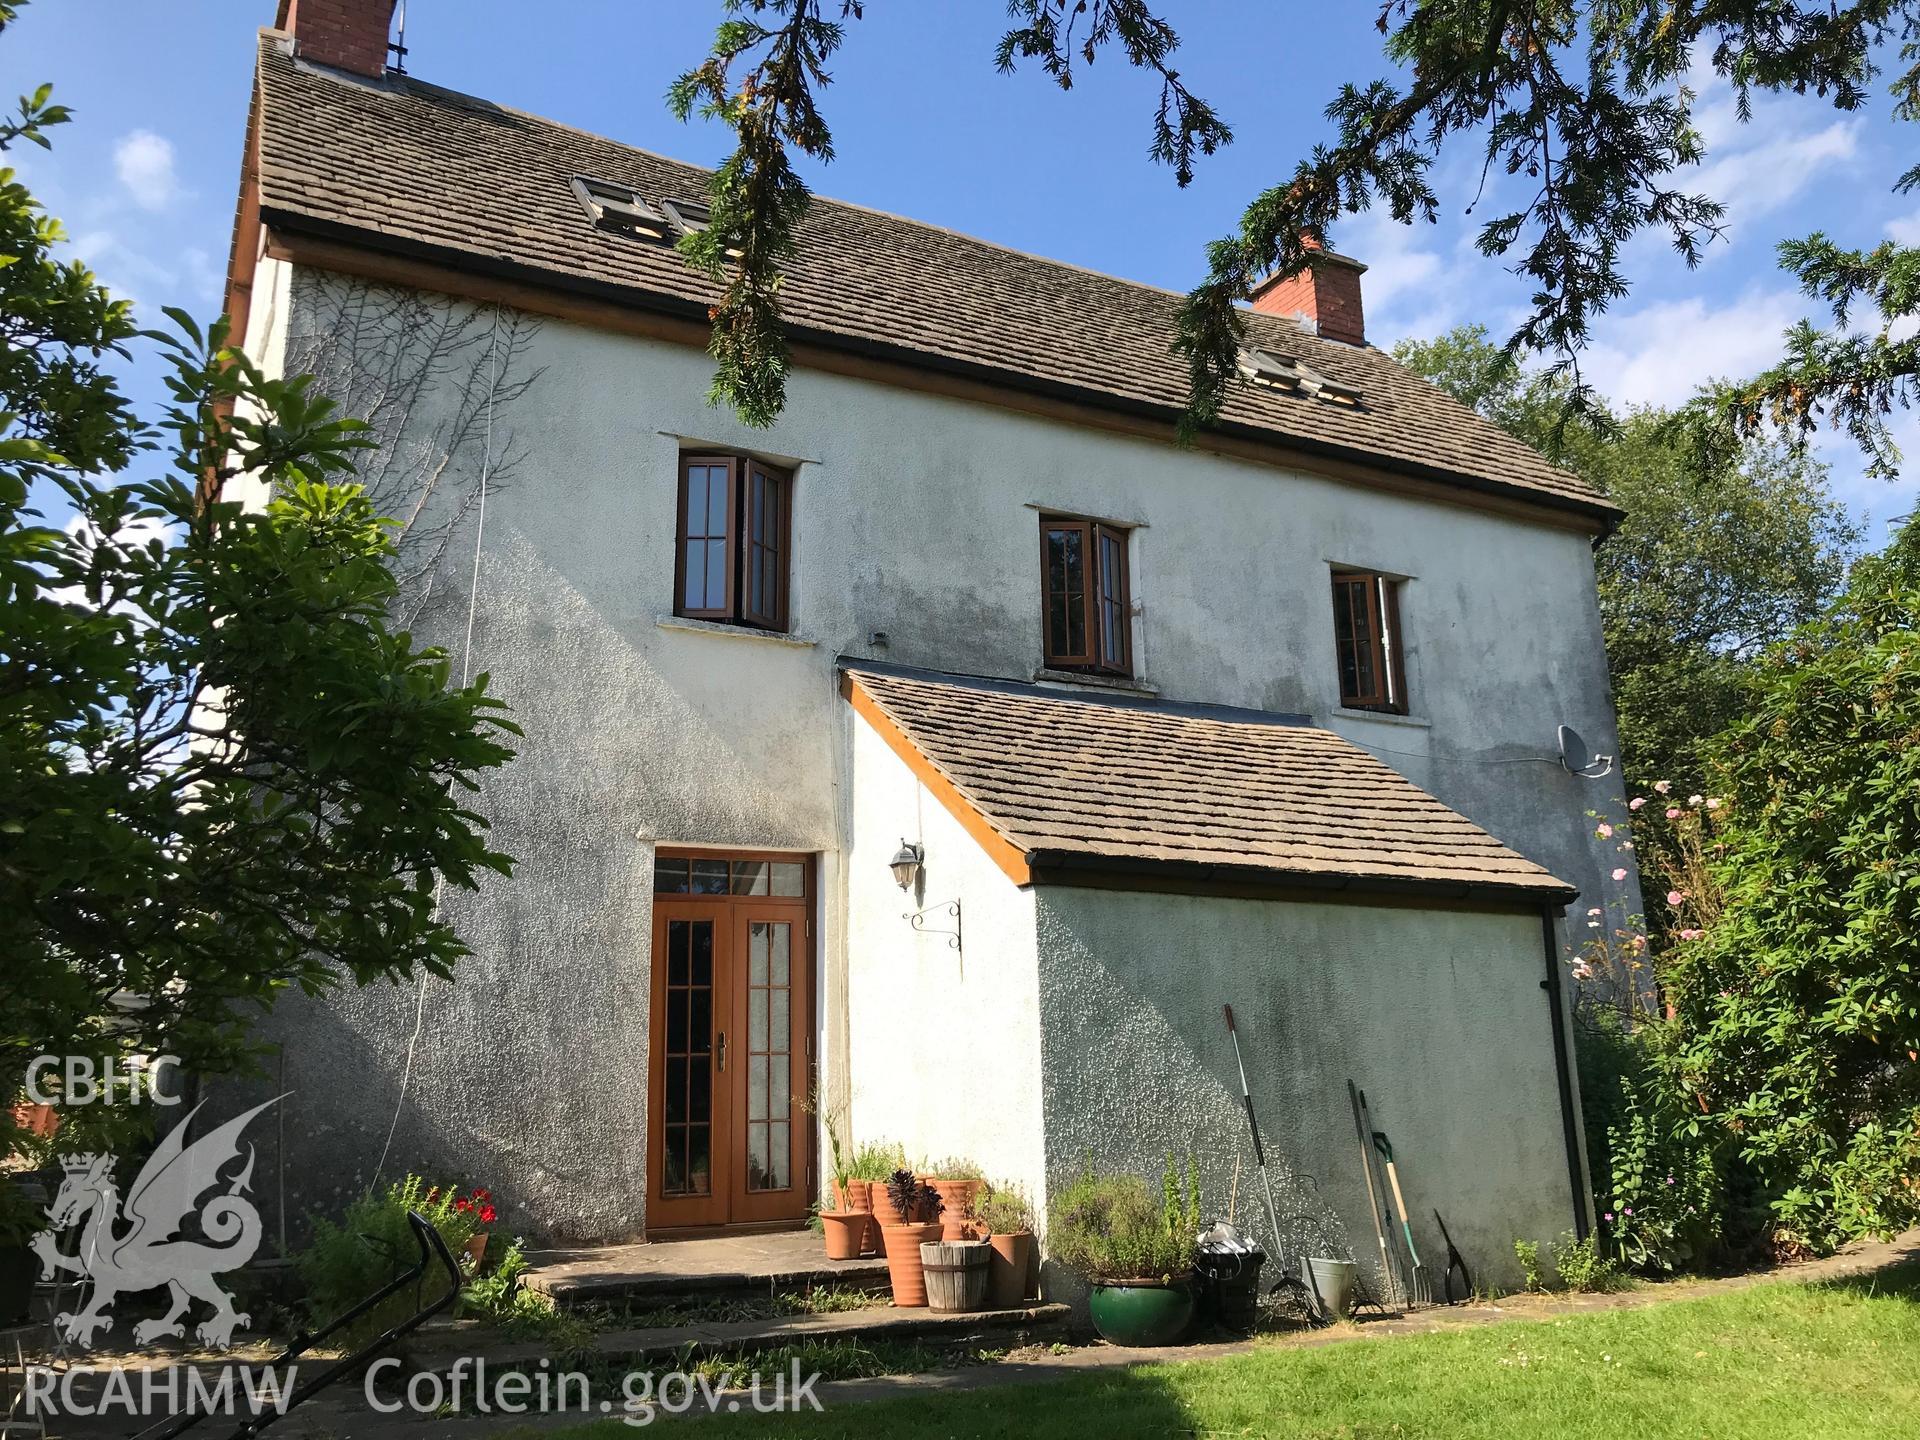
(1141, 1312)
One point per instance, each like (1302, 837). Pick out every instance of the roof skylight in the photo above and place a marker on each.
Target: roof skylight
(1277, 370)
(618, 208)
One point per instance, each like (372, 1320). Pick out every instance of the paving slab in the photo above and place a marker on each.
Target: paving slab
(770, 1264)
(1025, 1323)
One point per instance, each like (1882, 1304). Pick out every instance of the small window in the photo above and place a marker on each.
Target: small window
(1366, 639)
(1086, 616)
(736, 528)
(617, 208)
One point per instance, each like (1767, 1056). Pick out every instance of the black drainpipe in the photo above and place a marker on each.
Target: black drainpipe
(1563, 1072)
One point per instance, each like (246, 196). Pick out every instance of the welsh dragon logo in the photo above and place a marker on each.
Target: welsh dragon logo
(148, 1255)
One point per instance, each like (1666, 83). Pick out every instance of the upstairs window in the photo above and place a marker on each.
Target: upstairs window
(1366, 639)
(735, 534)
(1086, 615)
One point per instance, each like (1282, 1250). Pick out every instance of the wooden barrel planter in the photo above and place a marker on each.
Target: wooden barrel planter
(956, 1272)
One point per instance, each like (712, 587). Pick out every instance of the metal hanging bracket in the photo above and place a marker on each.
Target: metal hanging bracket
(918, 919)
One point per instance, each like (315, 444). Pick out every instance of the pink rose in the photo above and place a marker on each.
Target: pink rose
(1693, 800)
(1604, 831)
(1713, 802)
(1620, 872)
(1636, 802)
(1672, 813)
(1674, 897)
(1663, 786)
(1594, 911)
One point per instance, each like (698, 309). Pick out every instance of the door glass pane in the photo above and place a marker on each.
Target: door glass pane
(781, 941)
(709, 877)
(779, 1024)
(757, 941)
(669, 877)
(789, 879)
(758, 1172)
(749, 877)
(779, 1147)
(757, 1019)
(779, 1095)
(686, 1079)
(757, 1088)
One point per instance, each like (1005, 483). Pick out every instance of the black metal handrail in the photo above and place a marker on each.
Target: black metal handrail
(432, 1247)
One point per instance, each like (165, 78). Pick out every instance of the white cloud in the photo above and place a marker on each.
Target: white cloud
(1758, 178)
(144, 162)
(1905, 230)
(1660, 353)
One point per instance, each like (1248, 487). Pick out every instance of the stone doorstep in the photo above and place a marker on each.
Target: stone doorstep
(1029, 1322)
(568, 1287)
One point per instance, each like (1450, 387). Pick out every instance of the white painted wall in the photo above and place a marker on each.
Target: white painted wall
(914, 515)
(944, 1046)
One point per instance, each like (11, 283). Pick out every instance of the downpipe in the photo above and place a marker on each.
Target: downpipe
(1563, 1073)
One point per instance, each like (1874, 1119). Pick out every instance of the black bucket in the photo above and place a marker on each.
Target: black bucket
(1228, 1270)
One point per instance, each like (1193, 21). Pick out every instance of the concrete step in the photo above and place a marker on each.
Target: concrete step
(684, 1271)
(1025, 1325)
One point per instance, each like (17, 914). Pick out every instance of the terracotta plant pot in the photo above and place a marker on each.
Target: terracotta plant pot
(846, 1232)
(956, 1198)
(904, 1266)
(884, 1210)
(475, 1252)
(1009, 1270)
(856, 1196)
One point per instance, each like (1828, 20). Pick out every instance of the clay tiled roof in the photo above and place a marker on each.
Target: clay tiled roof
(1069, 783)
(424, 172)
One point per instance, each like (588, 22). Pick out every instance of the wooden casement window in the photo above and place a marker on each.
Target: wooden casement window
(1086, 616)
(1366, 637)
(736, 530)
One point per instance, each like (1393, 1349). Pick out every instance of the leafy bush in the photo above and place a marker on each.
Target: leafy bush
(1003, 1209)
(372, 1245)
(1533, 1270)
(1584, 1268)
(1112, 1227)
(955, 1167)
(877, 1160)
(1664, 1207)
(1799, 1008)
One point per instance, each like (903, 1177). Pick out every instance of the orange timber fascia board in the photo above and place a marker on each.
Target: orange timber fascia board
(1011, 859)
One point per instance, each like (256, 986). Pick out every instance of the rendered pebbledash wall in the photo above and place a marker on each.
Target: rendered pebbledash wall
(915, 516)
(1437, 1014)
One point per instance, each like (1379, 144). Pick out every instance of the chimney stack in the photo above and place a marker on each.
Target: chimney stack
(1326, 295)
(346, 34)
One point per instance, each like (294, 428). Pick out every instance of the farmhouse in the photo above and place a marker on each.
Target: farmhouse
(954, 748)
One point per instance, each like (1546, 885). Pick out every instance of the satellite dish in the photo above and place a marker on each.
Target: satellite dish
(1578, 759)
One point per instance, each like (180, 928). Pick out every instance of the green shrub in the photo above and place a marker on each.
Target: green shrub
(955, 1167)
(1003, 1209)
(372, 1245)
(1663, 1209)
(1799, 1007)
(1533, 1273)
(1113, 1227)
(877, 1160)
(1583, 1267)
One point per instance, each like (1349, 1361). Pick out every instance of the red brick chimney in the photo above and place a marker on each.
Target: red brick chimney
(347, 34)
(1326, 295)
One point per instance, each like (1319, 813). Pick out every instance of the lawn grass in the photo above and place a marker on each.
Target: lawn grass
(1777, 1361)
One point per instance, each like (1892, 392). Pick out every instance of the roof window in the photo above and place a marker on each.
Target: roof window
(1277, 370)
(618, 208)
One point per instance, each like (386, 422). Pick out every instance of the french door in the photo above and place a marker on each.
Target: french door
(728, 1141)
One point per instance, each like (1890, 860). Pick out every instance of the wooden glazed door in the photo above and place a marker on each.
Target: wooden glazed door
(729, 1141)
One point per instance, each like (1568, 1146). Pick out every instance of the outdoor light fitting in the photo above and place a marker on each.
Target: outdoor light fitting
(905, 863)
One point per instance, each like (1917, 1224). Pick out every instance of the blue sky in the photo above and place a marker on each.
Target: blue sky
(924, 126)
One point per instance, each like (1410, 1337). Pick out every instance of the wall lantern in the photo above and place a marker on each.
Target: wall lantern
(906, 864)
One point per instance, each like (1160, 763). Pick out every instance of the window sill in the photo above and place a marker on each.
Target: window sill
(737, 632)
(1383, 717)
(1120, 684)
